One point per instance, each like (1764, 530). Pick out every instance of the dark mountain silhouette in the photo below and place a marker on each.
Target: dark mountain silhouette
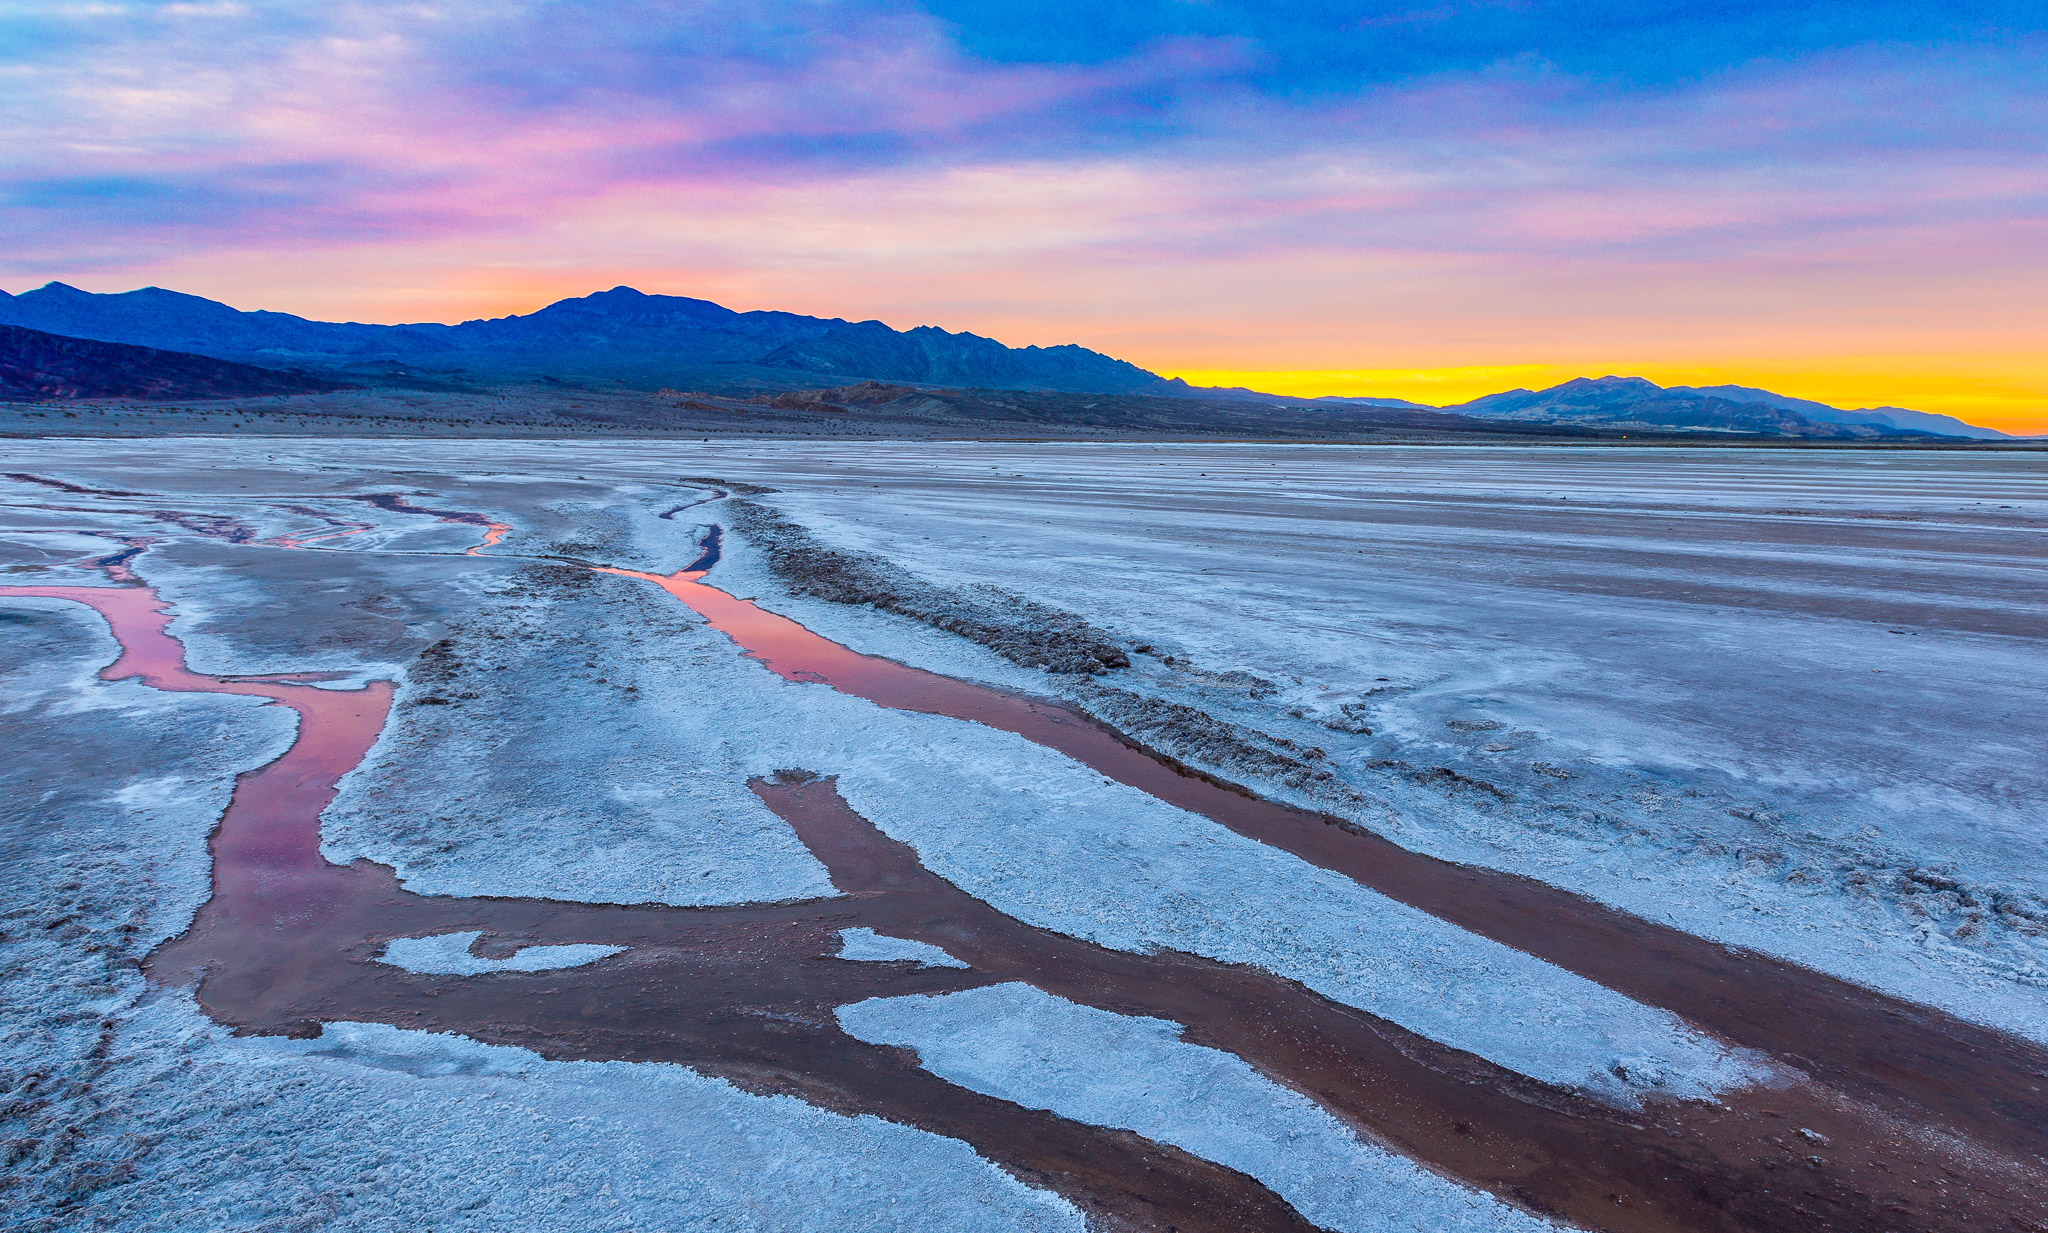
(619, 335)
(1632, 402)
(36, 366)
(623, 338)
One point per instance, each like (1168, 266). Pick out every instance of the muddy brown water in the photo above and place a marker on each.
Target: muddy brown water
(1899, 1117)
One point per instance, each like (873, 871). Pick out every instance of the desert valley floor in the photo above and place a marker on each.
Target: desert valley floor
(940, 836)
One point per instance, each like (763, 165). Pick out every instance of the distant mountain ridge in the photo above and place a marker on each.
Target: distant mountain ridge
(618, 335)
(35, 366)
(1877, 417)
(873, 351)
(1633, 402)
(629, 338)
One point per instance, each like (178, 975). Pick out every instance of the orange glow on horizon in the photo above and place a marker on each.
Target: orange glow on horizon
(2009, 398)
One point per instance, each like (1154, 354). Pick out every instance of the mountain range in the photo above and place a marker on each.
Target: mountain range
(624, 338)
(619, 336)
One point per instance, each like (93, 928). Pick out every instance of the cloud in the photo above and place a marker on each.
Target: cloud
(1212, 173)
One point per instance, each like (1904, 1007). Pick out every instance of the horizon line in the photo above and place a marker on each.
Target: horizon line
(2022, 413)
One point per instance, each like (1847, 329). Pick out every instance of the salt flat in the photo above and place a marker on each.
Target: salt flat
(1796, 693)
(1786, 700)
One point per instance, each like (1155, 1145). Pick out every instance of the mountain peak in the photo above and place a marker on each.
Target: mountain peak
(1610, 384)
(624, 302)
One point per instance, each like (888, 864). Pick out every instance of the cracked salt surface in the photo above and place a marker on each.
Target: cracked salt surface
(447, 954)
(864, 945)
(1021, 1044)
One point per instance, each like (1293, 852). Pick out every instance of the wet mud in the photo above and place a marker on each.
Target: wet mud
(1897, 1116)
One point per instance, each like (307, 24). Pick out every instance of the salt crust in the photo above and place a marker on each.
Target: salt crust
(1021, 1044)
(607, 1128)
(864, 945)
(447, 954)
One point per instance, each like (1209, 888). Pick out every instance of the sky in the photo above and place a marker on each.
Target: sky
(1428, 200)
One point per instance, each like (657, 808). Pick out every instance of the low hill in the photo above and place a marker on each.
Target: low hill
(1882, 418)
(1634, 403)
(36, 366)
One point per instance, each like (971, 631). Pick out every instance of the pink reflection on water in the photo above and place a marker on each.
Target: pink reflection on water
(794, 653)
(267, 849)
(492, 534)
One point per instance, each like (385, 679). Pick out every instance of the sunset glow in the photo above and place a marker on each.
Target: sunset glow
(2009, 400)
(1423, 203)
